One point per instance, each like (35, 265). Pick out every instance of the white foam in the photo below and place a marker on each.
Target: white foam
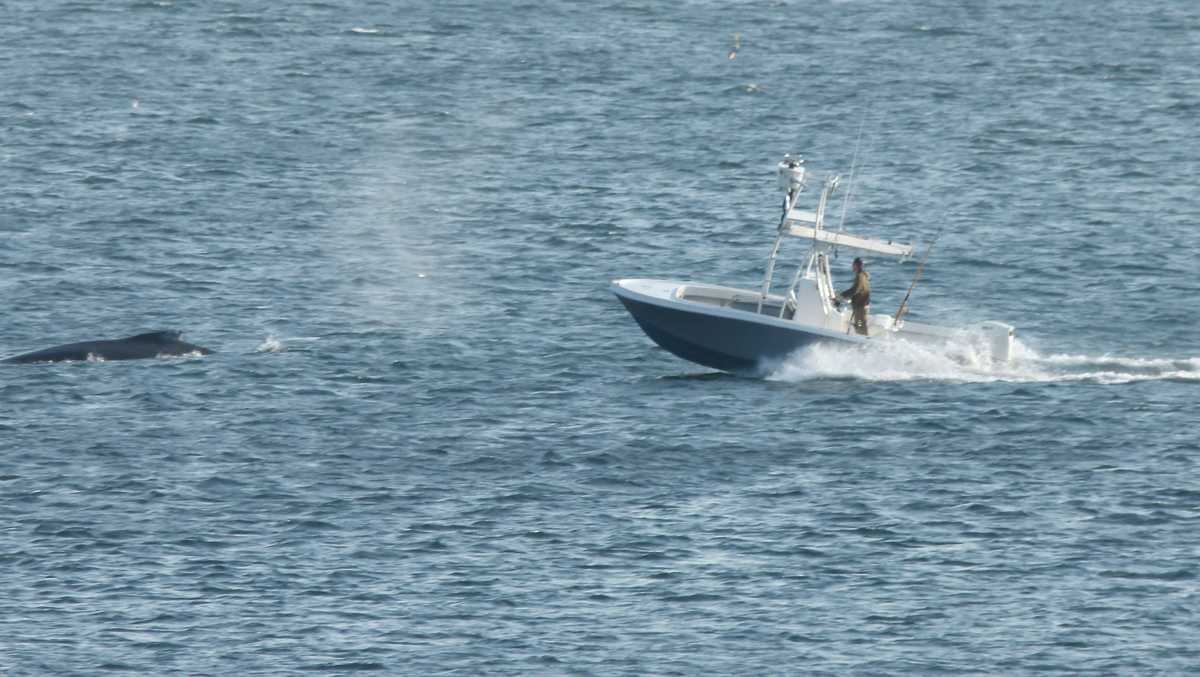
(271, 345)
(172, 356)
(967, 361)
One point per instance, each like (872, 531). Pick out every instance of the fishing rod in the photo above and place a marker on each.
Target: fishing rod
(862, 123)
(916, 276)
(920, 268)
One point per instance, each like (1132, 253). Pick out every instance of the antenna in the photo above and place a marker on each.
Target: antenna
(853, 166)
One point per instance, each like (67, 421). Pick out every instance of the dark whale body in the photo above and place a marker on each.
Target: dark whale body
(152, 344)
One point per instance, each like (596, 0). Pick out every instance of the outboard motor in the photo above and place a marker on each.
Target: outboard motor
(999, 337)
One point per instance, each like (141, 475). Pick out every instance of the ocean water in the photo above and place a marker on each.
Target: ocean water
(430, 441)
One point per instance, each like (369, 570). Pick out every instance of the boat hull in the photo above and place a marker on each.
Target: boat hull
(729, 340)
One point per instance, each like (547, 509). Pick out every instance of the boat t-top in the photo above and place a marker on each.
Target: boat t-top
(753, 331)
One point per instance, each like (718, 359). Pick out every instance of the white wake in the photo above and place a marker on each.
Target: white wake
(968, 361)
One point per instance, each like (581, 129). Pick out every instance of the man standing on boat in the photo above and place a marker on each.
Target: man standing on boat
(860, 297)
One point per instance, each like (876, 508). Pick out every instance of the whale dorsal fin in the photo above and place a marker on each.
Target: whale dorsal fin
(157, 336)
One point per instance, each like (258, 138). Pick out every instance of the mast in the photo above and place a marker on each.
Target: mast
(791, 179)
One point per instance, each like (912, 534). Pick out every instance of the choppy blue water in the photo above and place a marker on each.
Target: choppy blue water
(432, 442)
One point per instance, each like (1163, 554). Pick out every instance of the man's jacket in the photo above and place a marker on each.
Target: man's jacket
(860, 293)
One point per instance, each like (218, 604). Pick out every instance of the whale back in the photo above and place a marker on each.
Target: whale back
(140, 346)
(162, 336)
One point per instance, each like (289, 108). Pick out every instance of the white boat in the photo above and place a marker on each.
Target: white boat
(753, 331)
